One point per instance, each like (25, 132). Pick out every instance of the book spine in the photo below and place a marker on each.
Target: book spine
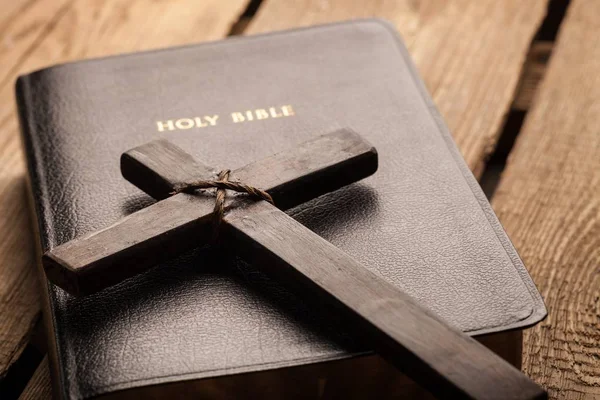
(38, 204)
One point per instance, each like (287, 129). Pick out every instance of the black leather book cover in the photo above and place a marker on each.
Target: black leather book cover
(421, 221)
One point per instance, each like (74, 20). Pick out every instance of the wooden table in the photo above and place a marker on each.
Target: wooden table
(485, 65)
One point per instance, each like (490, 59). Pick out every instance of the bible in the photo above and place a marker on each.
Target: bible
(208, 323)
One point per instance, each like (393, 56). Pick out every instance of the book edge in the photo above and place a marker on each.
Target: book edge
(495, 342)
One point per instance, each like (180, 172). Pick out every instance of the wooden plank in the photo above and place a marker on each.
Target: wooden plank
(470, 53)
(180, 222)
(43, 32)
(549, 202)
(21, 27)
(39, 387)
(443, 360)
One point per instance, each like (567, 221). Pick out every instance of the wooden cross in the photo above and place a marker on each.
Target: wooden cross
(440, 358)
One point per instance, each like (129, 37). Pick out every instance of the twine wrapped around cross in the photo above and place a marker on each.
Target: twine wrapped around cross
(222, 184)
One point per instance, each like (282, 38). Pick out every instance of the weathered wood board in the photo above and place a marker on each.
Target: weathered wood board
(44, 32)
(455, 44)
(549, 202)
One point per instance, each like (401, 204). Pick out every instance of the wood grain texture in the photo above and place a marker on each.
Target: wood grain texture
(469, 53)
(39, 386)
(549, 202)
(444, 360)
(38, 33)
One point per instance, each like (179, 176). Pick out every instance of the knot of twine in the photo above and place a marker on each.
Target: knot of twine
(222, 184)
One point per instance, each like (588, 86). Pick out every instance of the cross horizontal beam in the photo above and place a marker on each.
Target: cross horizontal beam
(179, 223)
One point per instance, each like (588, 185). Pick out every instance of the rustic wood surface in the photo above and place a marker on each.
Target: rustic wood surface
(470, 54)
(549, 203)
(38, 33)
